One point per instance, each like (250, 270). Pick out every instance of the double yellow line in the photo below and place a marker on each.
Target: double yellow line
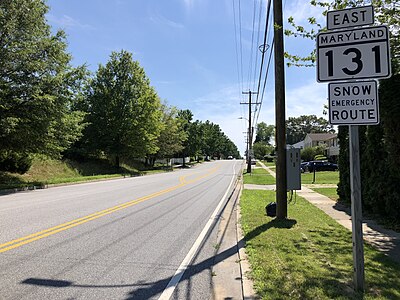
(53, 230)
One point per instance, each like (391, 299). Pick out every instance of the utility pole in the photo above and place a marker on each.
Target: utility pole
(250, 148)
(280, 117)
(247, 143)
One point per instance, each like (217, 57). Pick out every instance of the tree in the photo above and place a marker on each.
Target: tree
(298, 127)
(264, 133)
(310, 153)
(261, 149)
(172, 136)
(124, 113)
(37, 85)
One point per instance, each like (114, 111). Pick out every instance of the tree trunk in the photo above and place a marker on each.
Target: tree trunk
(117, 161)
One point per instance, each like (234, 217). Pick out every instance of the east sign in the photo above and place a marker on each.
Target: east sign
(352, 17)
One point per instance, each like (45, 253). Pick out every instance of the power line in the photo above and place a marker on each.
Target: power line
(240, 42)
(264, 45)
(252, 47)
(258, 42)
(236, 47)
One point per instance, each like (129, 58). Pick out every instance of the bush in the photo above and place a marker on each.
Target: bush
(15, 162)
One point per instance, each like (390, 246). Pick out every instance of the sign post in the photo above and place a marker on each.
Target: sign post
(349, 55)
(356, 209)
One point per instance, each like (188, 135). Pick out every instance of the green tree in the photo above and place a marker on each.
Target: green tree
(298, 127)
(264, 133)
(261, 149)
(124, 110)
(172, 136)
(185, 119)
(38, 87)
(310, 153)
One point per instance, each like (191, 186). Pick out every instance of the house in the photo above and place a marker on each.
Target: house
(330, 140)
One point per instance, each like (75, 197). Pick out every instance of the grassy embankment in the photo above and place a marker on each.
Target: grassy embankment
(308, 256)
(48, 171)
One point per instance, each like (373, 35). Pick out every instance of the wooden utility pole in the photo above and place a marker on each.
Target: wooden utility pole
(280, 117)
(250, 143)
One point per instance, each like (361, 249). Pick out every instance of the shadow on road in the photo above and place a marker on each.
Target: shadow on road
(151, 289)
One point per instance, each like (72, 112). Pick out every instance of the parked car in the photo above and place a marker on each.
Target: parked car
(320, 165)
(303, 166)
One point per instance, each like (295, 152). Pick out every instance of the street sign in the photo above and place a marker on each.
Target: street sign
(362, 53)
(353, 103)
(350, 17)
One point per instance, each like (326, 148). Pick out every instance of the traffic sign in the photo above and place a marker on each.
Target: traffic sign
(351, 17)
(353, 103)
(362, 53)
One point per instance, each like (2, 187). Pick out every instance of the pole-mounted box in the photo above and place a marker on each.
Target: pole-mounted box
(293, 174)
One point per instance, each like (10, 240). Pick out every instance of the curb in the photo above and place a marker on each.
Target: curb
(247, 283)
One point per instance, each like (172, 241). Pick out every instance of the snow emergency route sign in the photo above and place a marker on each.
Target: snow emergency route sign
(354, 103)
(361, 53)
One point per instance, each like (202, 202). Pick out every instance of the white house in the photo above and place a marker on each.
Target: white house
(330, 141)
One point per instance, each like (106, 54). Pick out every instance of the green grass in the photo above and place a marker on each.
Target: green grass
(308, 256)
(329, 192)
(268, 164)
(48, 171)
(323, 177)
(258, 176)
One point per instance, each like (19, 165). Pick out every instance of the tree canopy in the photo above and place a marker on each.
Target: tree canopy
(124, 113)
(264, 133)
(37, 84)
(298, 127)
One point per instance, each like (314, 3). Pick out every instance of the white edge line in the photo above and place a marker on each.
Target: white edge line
(169, 290)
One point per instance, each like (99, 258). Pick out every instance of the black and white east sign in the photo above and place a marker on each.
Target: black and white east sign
(362, 53)
(353, 103)
(350, 17)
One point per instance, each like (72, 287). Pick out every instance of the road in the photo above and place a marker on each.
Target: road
(132, 238)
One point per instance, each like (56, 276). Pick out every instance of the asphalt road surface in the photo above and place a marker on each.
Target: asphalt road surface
(149, 237)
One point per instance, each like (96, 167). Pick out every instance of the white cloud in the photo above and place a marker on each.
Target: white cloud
(222, 107)
(308, 99)
(189, 4)
(301, 10)
(159, 19)
(68, 22)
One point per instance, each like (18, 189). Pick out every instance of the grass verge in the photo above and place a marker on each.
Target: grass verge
(258, 176)
(48, 171)
(308, 256)
(322, 177)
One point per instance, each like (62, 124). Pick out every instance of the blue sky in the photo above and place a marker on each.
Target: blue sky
(189, 53)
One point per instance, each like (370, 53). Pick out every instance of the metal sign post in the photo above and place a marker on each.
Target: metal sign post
(356, 209)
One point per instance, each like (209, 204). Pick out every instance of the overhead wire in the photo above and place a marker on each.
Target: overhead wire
(252, 47)
(258, 43)
(264, 50)
(236, 47)
(240, 43)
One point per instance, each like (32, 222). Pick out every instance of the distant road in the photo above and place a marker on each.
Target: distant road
(118, 239)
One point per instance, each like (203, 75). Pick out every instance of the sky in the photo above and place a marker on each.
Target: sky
(198, 54)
